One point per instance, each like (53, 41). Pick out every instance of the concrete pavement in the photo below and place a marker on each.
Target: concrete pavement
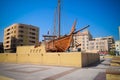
(40, 72)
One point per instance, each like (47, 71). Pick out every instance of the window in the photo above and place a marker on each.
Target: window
(7, 45)
(102, 42)
(14, 31)
(21, 26)
(96, 47)
(32, 37)
(32, 33)
(8, 29)
(8, 33)
(32, 41)
(7, 37)
(21, 31)
(32, 29)
(7, 42)
(20, 35)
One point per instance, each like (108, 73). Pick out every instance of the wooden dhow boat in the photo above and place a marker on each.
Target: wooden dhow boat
(63, 43)
(60, 44)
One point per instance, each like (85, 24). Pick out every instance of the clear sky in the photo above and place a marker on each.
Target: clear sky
(103, 16)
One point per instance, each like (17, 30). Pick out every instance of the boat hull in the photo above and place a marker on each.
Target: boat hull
(59, 45)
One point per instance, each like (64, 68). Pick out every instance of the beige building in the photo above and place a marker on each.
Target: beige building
(20, 35)
(81, 40)
(98, 44)
(110, 40)
(101, 44)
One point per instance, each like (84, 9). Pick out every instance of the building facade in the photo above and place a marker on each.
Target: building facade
(102, 44)
(98, 45)
(81, 41)
(117, 47)
(84, 42)
(110, 40)
(20, 35)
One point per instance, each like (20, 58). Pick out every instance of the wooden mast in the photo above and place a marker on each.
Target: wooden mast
(59, 18)
(54, 33)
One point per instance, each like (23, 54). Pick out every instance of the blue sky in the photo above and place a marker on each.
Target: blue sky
(103, 16)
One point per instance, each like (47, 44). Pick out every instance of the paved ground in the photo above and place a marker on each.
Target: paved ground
(38, 72)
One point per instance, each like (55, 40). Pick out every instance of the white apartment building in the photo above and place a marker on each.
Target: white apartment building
(98, 44)
(101, 44)
(117, 47)
(111, 41)
(81, 41)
